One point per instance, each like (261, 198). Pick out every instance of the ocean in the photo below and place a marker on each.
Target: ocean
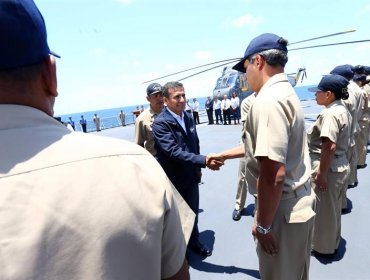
(110, 117)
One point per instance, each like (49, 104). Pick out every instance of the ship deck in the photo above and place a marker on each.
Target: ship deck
(234, 255)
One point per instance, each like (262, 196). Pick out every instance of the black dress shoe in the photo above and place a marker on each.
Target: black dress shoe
(324, 256)
(361, 166)
(201, 250)
(237, 214)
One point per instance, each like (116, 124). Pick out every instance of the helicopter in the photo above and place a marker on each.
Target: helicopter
(232, 81)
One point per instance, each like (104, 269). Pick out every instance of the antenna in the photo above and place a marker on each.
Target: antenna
(325, 36)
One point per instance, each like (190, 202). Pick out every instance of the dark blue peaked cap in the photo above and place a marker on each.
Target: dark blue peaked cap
(153, 89)
(345, 71)
(334, 82)
(263, 42)
(23, 39)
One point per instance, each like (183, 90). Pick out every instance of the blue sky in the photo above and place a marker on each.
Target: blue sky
(109, 47)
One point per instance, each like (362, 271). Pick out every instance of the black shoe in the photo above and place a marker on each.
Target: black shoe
(323, 256)
(352, 186)
(201, 249)
(361, 166)
(237, 214)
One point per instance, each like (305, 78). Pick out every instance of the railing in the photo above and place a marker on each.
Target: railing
(111, 122)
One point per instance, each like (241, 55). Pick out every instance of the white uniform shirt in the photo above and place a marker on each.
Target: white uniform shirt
(234, 102)
(217, 104)
(195, 106)
(77, 206)
(225, 104)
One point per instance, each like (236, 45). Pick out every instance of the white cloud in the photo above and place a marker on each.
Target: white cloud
(202, 55)
(247, 20)
(124, 1)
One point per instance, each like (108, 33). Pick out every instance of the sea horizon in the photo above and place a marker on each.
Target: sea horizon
(110, 117)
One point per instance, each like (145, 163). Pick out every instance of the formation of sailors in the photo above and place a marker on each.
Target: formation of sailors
(337, 146)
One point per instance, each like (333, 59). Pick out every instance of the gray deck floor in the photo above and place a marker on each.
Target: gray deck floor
(234, 255)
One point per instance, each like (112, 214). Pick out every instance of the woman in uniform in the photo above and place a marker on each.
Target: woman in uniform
(328, 141)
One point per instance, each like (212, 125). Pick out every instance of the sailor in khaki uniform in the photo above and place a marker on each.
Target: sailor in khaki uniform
(328, 141)
(277, 156)
(74, 206)
(363, 122)
(241, 193)
(351, 104)
(144, 122)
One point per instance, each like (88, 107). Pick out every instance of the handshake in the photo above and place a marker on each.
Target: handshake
(214, 161)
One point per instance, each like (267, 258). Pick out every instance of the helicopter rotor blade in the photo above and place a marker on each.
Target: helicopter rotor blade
(237, 59)
(200, 66)
(324, 36)
(208, 69)
(327, 45)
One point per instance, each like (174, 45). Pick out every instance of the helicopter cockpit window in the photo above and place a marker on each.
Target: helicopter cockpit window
(219, 82)
(231, 80)
(224, 81)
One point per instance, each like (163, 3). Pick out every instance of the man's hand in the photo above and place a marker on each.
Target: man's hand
(214, 161)
(267, 241)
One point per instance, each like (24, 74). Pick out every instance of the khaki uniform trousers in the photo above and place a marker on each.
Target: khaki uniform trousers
(241, 193)
(292, 226)
(361, 144)
(352, 159)
(352, 177)
(327, 228)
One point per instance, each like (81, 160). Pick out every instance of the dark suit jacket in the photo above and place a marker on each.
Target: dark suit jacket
(209, 105)
(177, 150)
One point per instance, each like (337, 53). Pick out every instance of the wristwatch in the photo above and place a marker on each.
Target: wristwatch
(263, 230)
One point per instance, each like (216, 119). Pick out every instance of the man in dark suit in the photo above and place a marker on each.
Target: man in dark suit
(178, 152)
(209, 109)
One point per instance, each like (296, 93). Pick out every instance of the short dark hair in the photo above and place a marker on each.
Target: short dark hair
(167, 86)
(21, 74)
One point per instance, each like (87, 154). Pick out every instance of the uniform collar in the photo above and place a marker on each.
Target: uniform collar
(277, 78)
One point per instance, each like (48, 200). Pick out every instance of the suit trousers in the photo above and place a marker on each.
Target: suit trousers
(218, 116)
(210, 116)
(191, 196)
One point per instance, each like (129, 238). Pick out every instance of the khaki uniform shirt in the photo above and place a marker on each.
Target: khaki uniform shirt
(334, 122)
(77, 206)
(275, 129)
(143, 130)
(353, 103)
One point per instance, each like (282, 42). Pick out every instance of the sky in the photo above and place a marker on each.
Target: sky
(109, 48)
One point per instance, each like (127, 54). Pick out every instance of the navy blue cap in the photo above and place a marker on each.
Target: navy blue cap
(359, 77)
(335, 83)
(367, 70)
(153, 89)
(345, 71)
(23, 34)
(358, 69)
(263, 42)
